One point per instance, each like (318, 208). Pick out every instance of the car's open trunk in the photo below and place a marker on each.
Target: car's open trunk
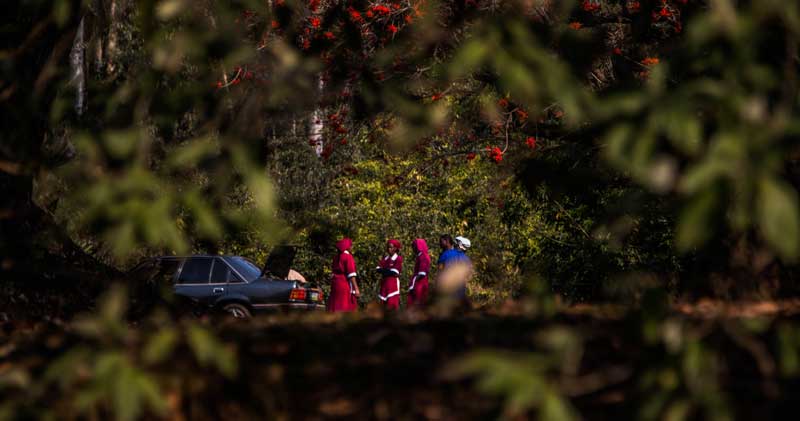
(279, 262)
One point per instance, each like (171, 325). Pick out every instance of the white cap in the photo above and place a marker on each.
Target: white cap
(463, 243)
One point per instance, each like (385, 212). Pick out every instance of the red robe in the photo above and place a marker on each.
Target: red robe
(418, 287)
(390, 287)
(342, 296)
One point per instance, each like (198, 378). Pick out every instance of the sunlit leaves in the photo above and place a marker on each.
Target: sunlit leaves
(778, 217)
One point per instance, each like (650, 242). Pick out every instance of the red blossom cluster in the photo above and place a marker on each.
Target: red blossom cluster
(650, 61)
(531, 142)
(355, 15)
(495, 153)
(590, 6)
(381, 9)
(667, 17)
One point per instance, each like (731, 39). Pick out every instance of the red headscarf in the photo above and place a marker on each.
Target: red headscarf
(394, 243)
(421, 245)
(344, 244)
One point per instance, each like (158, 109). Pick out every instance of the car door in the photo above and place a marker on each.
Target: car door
(193, 281)
(225, 283)
(260, 290)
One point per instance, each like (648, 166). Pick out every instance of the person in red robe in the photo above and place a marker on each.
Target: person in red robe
(418, 287)
(344, 286)
(390, 267)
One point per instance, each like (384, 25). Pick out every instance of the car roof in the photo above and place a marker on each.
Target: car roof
(195, 255)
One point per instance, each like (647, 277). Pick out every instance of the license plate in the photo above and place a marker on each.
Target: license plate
(314, 296)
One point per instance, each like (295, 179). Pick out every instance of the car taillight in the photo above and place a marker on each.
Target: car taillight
(298, 295)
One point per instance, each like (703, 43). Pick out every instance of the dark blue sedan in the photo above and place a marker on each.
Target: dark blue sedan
(231, 284)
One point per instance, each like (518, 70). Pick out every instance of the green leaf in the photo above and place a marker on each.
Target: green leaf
(121, 143)
(777, 209)
(160, 346)
(696, 220)
(469, 57)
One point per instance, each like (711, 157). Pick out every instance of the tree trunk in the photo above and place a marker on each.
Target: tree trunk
(317, 122)
(115, 14)
(42, 272)
(77, 61)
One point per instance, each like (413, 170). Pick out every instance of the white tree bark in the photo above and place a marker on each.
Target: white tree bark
(114, 16)
(77, 61)
(317, 123)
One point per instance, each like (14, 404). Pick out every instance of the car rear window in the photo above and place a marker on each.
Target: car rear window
(246, 268)
(196, 271)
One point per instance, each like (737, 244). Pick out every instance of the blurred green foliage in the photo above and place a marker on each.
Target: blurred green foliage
(687, 144)
(111, 370)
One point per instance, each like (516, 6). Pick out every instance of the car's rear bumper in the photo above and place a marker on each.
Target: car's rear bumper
(289, 307)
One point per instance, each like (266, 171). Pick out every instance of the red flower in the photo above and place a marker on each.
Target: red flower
(531, 142)
(219, 84)
(590, 6)
(522, 115)
(315, 21)
(329, 35)
(664, 12)
(408, 19)
(471, 156)
(343, 141)
(650, 61)
(369, 13)
(275, 24)
(313, 5)
(617, 51)
(503, 103)
(575, 25)
(392, 28)
(355, 15)
(383, 10)
(436, 97)
(306, 44)
(496, 153)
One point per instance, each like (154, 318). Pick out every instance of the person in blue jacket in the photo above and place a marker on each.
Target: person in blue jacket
(449, 253)
(455, 269)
